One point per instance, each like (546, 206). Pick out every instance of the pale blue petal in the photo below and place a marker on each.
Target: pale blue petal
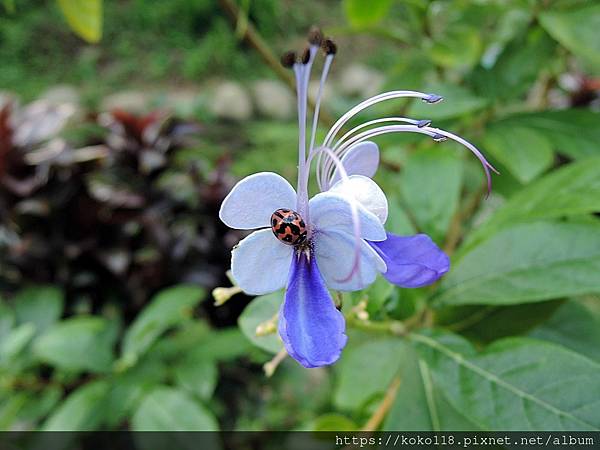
(312, 329)
(335, 253)
(330, 211)
(360, 159)
(366, 192)
(260, 263)
(252, 200)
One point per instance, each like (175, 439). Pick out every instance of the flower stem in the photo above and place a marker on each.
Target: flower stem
(393, 327)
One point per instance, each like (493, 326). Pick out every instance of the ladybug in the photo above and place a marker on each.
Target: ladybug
(288, 226)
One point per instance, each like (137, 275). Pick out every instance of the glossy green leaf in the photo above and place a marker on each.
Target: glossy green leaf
(84, 17)
(577, 30)
(524, 151)
(259, 311)
(168, 308)
(40, 305)
(363, 14)
(515, 384)
(430, 184)
(576, 325)
(78, 344)
(527, 263)
(168, 409)
(419, 404)
(83, 410)
(370, 365)
(484, 324)
(572, 132)
(572, 190)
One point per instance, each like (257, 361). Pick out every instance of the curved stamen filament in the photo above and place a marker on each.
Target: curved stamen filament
(328, 164)
(434, 133)
(429, 98)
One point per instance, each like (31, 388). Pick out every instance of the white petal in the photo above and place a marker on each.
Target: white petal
(260, 263)
(360, 159)
(335, 253)
(252, 200)
(367, 192)
(331, 211)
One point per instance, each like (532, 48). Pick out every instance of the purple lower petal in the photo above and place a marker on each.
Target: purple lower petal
(412, 261)
(312, 329)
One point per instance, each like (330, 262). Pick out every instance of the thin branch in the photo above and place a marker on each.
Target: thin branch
(251, 35)
(375, 420)
(454, 233)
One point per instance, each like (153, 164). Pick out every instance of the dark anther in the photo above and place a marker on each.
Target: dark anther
(423, 123)
(329, 47)
(305, 56)
(288, 59)
(315, 37)
(439, 137)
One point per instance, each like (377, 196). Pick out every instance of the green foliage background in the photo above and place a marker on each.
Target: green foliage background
(508, 340)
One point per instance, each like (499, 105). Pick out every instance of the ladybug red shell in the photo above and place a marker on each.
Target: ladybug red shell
(288, 226)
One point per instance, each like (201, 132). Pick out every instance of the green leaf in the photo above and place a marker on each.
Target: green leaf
(363, 14)
(84, 17)
(458, 48)
(430, 185)
(524, 151)
(577, 30)
(168, 308)
(428, 408)
(518, 66)
(261, 310)
(7, 320)
(85, 409)
(576, 325)
(40, 305)
(484, 324)
(571, 190)
(130, 387)
(572, 132)
(333, 422)
(515, 384)
(370, 365)
(78, 344)
(40, 405)
(9, 6)
(16, 341)
(458, 101)
(198, 376)
(527, 263)
(168, 409)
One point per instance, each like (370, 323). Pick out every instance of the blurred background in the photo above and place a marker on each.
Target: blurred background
(124, 123)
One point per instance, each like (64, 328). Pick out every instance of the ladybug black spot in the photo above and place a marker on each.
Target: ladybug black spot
(288, 226)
